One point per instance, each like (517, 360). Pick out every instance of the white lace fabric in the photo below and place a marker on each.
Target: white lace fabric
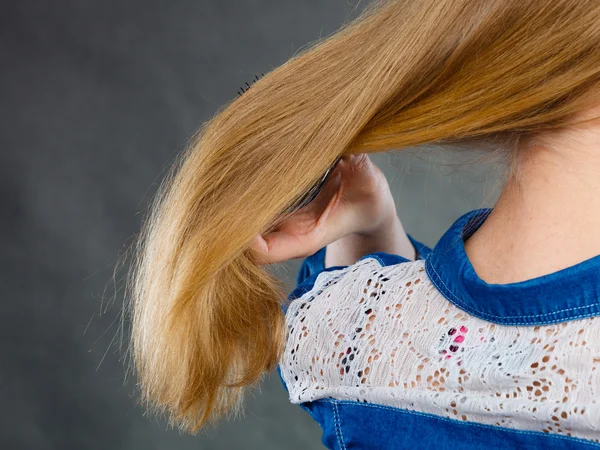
(385, 335)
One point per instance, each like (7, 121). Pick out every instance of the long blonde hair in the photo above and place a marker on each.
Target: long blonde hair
(206, 318)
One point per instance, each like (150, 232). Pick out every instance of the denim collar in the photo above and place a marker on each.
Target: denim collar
(570, 293)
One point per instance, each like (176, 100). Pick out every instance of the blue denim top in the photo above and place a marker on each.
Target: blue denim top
(562, 296)
(567, 294)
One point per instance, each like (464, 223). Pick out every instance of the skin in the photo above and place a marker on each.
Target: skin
(353, 215)
(546, 219)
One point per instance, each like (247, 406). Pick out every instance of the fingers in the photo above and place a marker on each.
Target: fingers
(279, 246)
(288, 242)
(259, 244)
(328, 190)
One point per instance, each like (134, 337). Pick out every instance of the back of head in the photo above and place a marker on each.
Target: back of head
(206, 318)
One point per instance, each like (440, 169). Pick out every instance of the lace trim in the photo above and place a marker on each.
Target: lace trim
(386, 335)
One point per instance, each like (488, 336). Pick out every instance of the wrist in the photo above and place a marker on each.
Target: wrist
(386, 226)
(389, 237)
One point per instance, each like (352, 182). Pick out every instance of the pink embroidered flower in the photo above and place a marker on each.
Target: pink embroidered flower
(457, 337)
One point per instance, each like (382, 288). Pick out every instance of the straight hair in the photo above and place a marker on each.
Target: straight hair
(206, 319)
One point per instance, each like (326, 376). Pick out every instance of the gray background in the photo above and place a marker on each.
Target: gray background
(96, 98)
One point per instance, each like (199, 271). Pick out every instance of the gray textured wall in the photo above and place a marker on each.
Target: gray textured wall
(96, 97)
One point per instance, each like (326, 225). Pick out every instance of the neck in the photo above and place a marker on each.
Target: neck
(547, 217)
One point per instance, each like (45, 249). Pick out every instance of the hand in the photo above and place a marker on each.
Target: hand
(355, 199)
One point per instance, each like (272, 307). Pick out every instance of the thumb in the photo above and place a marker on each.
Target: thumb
(281, 245)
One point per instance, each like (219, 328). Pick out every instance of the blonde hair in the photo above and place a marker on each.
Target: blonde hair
(206, 318)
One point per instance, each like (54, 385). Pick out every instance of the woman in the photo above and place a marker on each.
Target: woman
(489, 340)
